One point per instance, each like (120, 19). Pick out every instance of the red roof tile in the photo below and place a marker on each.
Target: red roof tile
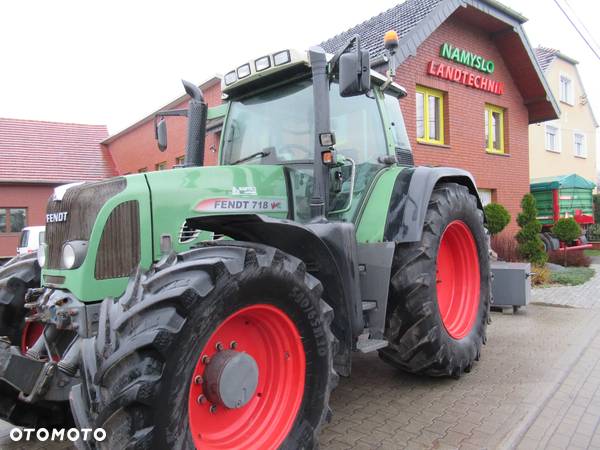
(53, 152)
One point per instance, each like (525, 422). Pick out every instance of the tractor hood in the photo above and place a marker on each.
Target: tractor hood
(182, 194)
(115, 226)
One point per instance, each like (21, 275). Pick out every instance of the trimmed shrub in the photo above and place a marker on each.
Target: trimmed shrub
(506, 248)
(531, 247)
(575, 258)
(497, 217)
(566, 230)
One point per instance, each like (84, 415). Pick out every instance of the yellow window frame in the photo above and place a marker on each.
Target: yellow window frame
(489, 110)
(429, 92)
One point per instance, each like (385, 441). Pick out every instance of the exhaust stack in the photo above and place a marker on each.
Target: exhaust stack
(196, 113)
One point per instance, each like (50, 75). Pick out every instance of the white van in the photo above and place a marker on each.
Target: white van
(31, 237)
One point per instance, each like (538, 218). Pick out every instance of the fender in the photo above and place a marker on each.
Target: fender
(330, 253)
(410, 197)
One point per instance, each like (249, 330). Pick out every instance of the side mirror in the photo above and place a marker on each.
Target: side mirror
(354, 73)
(161, 134)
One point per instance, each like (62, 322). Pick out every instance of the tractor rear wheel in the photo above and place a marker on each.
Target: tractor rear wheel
(224, 346)
(440, 289)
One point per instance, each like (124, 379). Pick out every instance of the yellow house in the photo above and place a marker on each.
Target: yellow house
(568, 144)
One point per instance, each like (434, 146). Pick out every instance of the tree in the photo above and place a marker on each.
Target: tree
(497, 217)
(566, 230)
(596, 198)
(530, 246)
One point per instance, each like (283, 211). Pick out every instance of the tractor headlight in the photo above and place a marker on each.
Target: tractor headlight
(73, 254)
(243, 71)
(230, 77)
(281, 57)
(68, 256)
(262, 63)
(41, 255)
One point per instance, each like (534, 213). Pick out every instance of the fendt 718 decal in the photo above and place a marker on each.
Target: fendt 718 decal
(245, 205)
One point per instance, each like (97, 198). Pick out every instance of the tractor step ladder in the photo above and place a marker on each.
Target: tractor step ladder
(368, 305)
(364, 343)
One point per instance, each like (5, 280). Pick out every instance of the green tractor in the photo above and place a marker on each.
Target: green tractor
(215, 307)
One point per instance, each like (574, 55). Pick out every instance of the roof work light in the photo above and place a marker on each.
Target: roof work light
(390, 40)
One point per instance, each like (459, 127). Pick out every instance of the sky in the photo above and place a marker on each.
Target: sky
(114, 62)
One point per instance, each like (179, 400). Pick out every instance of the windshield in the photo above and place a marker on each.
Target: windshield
(277, 126)
(24, 238)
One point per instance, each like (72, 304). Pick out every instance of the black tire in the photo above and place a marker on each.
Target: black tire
(550, 242)
(16, 277)
(418, 340)
(546, 242)
(137, 370)
(554, 242)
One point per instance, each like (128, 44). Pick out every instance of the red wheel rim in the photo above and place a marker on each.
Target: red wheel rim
(269, 336)
(31, 333)
(458, 279)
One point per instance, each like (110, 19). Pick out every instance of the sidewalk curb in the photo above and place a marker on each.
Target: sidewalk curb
(568, 361)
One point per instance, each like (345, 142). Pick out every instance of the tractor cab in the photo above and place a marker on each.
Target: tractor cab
(270, 121)
(276, 126)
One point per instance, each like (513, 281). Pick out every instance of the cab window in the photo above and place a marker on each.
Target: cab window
(358, 127)
(394, 113)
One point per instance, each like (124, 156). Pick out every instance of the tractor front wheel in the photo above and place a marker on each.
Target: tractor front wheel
(225, 346)
(440, 289)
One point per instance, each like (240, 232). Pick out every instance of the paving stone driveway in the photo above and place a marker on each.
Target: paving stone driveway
(586, 295)
(379, 407)
(536, 386)
(571, 417)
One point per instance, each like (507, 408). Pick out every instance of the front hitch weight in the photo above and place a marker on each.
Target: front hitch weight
(32, 378)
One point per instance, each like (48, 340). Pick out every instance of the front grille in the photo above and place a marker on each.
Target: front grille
(119, 249)
(54, 279)
(82, 203)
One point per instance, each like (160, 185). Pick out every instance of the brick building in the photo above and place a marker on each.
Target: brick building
(473, 84)
(35, 157)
